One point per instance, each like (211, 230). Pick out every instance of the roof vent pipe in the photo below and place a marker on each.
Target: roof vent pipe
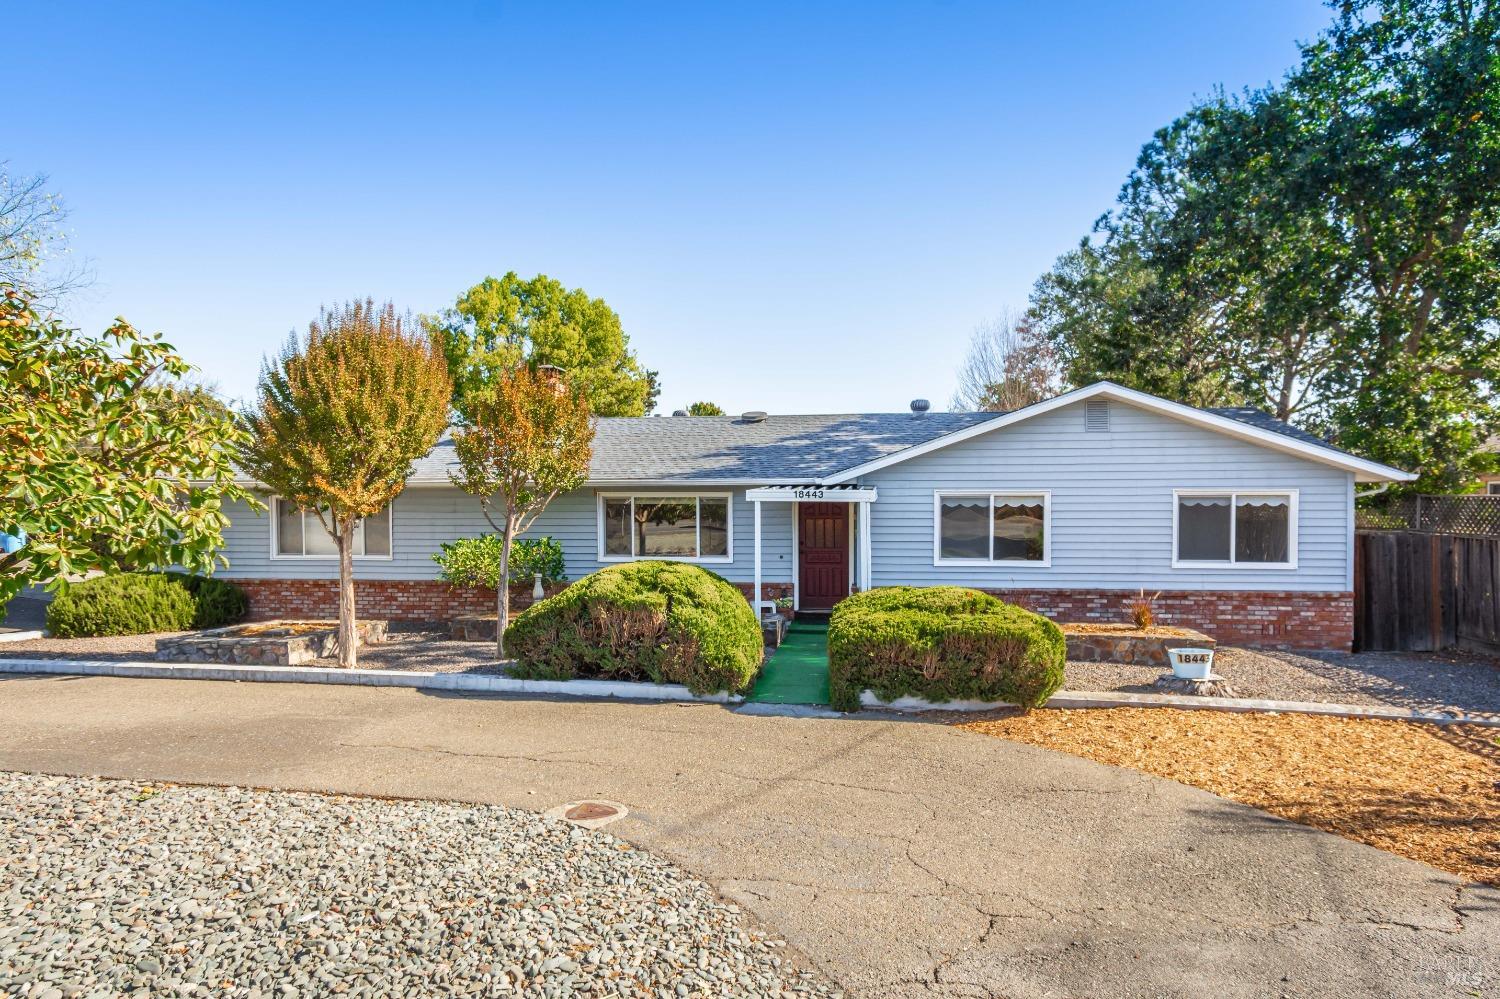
(753, 416)
(920, 406)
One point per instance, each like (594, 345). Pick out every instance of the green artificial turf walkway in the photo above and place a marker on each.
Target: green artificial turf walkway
(797, 672)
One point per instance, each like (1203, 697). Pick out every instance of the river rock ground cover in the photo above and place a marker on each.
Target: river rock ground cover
(113, 887)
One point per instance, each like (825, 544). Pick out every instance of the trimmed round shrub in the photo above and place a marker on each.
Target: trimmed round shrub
(217, 602)
(139, 603)
(129, 604)
(666, 622)
(941, 643)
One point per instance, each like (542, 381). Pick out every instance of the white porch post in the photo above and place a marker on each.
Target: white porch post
(755, 600)
(864, 546)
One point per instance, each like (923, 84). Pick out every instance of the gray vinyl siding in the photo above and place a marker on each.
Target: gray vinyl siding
(424, 517)
(1111, 505)
(1111, 513)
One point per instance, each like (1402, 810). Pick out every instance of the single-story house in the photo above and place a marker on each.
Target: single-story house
(1242, 523)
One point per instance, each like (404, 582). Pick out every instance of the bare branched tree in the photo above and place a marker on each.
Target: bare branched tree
(1007, 367)
(34, 254)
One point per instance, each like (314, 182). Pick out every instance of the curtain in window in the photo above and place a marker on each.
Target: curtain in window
(1020, 523)
(1203, 528)
(963, 527)
(1262, 528)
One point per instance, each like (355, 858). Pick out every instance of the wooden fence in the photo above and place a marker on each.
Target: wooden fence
(1419, 592)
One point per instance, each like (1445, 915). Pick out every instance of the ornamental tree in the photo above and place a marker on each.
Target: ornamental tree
(101, 466)
(339, 418)
(525, 441)
(705, 409)
(502, 323)
(1326, 248)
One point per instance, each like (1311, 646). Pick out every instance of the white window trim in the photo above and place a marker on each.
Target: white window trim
(1293, 526)
(937, 528)
(668, 494)
(276, 555)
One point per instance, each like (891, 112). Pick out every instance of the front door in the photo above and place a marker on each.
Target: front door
(822, 554)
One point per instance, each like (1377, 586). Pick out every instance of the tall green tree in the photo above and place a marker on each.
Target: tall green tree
(523, 443)
(705, 409)
(1327, 248)
(101, 467)
(500, 324)
(339, 418)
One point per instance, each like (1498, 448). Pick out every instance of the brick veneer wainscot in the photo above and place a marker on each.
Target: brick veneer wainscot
(1268, 619)
(408, 600)
(1264, 619)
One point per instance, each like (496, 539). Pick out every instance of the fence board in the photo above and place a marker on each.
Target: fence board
(1422, 592)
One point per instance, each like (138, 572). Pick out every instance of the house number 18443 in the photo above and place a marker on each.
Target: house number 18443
(808, 493)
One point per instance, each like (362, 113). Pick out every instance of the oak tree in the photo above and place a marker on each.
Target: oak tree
(502, 323)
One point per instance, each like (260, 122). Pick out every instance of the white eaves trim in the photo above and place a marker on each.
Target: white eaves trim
(1364, 470)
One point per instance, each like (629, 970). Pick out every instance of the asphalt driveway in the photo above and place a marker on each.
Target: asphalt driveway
(903, 858)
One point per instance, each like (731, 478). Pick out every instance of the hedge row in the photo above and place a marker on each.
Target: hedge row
(666, 622)
(139, 603)
(941, 643)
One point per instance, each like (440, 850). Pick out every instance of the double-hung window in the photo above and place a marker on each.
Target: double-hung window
(1252, 529)
(669, 527)
(297, 533)
(1009, 527)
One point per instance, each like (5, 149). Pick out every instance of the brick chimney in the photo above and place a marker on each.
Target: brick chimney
(552, 375)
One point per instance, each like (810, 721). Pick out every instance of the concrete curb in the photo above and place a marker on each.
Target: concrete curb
(464, 682)
(21, 636)
(622, 690)
(764, 709)
(1068, 699)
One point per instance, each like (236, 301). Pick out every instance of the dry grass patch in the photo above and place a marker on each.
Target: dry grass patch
(1431, 793)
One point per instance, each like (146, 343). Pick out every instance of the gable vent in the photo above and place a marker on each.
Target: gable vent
(1096, 416)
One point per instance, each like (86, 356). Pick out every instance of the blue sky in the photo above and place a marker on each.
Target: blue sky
(798, 208)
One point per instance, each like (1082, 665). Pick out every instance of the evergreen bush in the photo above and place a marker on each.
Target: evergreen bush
(941, 643)
(663, 622)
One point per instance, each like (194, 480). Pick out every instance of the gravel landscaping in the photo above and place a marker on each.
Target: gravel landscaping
(111, 887)
(1429, 681)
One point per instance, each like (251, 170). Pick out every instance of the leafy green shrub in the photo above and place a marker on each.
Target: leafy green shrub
(128, 604)
(667, 622)
(218, 602)
(476, 561)
(139, 603)
(941, 643)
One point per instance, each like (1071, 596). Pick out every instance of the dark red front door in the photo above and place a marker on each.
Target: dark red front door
(822, 554)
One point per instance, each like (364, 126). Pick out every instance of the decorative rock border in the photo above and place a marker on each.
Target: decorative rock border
(261, 644)
(1130, 646)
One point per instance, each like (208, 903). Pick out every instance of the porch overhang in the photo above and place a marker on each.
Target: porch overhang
(811, 493)
(860, 496)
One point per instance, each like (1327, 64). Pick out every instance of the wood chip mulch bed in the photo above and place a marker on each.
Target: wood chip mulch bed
(1428, 792)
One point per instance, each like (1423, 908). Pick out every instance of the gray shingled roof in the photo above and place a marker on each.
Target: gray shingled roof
(730, 449)
(778, 449)
(1265, 421)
